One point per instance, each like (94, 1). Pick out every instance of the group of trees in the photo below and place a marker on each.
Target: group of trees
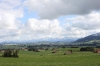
(34, 49)
(10, 53)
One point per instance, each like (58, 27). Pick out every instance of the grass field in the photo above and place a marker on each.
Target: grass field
(47, 58)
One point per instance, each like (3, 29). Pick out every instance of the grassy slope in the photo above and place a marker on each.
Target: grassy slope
(46, 58)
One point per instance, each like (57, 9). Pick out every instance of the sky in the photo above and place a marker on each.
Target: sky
(31, 20)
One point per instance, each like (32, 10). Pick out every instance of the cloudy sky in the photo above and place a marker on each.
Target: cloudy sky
(30, 20)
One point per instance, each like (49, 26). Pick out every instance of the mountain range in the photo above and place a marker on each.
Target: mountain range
(89, 38)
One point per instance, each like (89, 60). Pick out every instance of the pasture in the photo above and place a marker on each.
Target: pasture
(47, 58)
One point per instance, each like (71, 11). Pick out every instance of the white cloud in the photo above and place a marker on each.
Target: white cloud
(81, 26)
(45, 27)
(10, 4)
(35, 29)
(86, 22)
(51, 9)
(9, 14)
(8, 19)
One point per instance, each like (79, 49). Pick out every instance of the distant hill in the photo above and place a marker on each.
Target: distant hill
(89, 38)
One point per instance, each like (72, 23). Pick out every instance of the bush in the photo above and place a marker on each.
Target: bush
(87, 49)
(83, 49)
(74, 47)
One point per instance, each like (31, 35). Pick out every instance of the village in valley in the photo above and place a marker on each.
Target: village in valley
(53, 47)
(59, 52)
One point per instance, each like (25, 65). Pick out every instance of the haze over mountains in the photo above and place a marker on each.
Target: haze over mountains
(67, 40)
(93, 37)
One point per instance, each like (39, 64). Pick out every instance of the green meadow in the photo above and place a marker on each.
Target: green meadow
(47, 58)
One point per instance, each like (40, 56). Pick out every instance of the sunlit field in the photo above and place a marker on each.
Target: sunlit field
(47, 58)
